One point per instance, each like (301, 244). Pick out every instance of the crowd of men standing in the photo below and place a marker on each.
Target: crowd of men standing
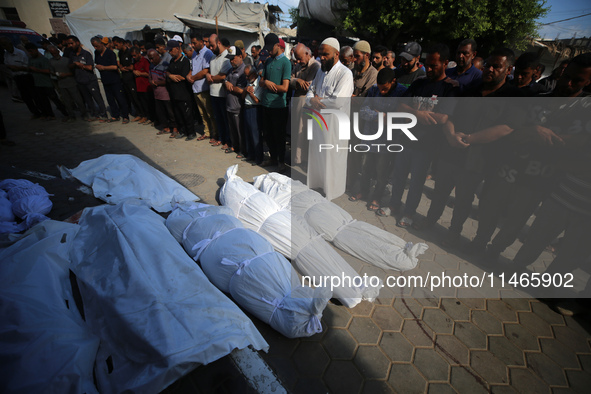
(209, 89)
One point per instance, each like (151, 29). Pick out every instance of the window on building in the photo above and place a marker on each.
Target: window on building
(11, 13)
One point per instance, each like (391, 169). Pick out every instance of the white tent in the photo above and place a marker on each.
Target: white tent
(126, 18)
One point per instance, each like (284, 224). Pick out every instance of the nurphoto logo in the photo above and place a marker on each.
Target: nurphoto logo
(344, 129)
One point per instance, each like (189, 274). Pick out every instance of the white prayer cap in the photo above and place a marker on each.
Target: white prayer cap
(177, 38)
(332, 42)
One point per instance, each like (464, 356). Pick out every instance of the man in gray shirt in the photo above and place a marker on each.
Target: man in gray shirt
(66, 83)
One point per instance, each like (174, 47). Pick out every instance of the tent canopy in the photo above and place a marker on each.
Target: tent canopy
(128, 17)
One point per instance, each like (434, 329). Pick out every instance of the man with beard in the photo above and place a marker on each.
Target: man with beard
(529, 173)
(465, 73)
(378, 55)
(331, 89)
(468, 157)
(347, 58)
(409, 69)
(180, 95)
(106, 63)
(219, 67)
(127, 77)
(199, 69)
(568, 207)
(164, 112)
(83, 66)
(235, 84)
(432, 111)
(302, 76)
(276, 76)
(365, 73)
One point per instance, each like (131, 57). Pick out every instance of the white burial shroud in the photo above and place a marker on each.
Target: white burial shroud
(360, 239)
(116, 178)
(243, 263)
(155, 311)
(293, 237)
(45, 346)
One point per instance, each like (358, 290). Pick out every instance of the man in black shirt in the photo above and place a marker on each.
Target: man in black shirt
(465, 159)
(83, 65)
(432, 114)
(127, 77)
(180, 95)
(106, 63)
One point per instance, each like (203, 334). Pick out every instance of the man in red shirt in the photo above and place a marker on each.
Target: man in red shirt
(141, 71)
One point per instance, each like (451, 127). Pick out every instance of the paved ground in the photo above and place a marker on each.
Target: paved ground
(412, 344)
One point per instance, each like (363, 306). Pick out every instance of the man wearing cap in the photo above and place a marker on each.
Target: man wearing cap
(365, 72)
(219, 67)
(331, 89)
(302, 76)
(409, 69)
(276, 76)
(246, 59)
(176, 82)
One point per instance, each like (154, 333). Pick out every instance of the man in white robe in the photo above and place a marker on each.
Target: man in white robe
(331, 89)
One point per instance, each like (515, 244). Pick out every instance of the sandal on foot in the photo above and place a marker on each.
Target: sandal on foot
(163, 132)
(373, 207)
(384, 211)
(404, 222)
(356, 197)
(203, 137)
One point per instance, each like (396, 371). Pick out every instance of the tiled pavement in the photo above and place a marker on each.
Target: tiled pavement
(397, 344)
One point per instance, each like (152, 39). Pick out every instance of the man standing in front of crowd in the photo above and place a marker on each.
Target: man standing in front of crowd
(465, 73)
(276, 76)
(409, 69)
(199, 69)
(180, 97)
(302, 76)
(83, 66)
(331, 89)
(365, 73)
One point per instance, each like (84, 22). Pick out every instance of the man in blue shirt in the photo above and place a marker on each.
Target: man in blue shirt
(465, 73)
(199, 69)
